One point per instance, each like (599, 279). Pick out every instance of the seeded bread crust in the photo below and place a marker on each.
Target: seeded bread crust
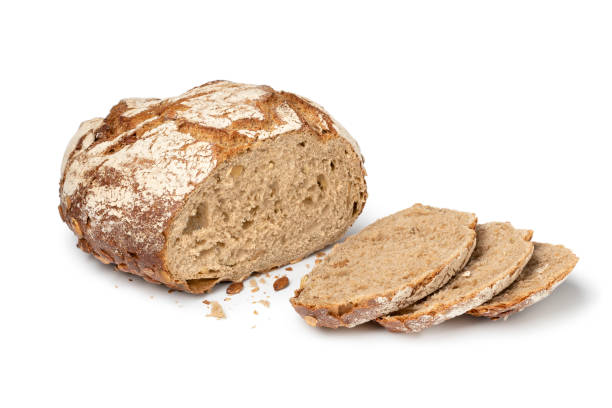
(496, 310)
(331, 316)
(415, 322)
(124, 178)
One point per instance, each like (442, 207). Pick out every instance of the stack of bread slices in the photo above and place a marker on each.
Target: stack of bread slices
(424, 265)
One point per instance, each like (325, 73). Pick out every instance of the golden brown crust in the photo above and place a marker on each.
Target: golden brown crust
(121, 221)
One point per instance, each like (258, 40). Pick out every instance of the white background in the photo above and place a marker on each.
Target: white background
(500, 108)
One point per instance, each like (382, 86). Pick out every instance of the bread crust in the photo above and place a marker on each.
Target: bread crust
(504, 309)
(330, 316)
(416, 322)
(124, 178)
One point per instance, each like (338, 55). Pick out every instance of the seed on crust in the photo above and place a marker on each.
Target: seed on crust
(311, 321)
(234, 288)
(281, 283)
(102, 257)
(76, 227)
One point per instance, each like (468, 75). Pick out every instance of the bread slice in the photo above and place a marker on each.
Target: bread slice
(548, 268)
(500, 255)
(219, 182)
(393, 262)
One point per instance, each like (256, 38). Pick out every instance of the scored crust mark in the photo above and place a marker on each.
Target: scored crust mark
(126, 177)
(548, 268)
(393, 262)
(501, 254)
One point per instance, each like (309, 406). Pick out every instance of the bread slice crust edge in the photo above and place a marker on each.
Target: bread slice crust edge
(505, 309)
(417, 322)
(329, 316)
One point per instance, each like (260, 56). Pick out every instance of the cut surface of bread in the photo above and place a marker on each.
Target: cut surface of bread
(548, 268)
(500, 255)
(393, 262)
(282, 201)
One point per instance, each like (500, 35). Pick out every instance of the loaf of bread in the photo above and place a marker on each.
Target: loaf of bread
(222, 181)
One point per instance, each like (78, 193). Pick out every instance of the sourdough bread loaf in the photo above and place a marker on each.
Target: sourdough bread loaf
(393, 262)
(548, 268)
(500, 255)
(212, 185)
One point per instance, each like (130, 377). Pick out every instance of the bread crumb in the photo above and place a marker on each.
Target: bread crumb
(227, 299)
(320, 254)
(234, 288)
(252, 327)
(267, 274)
(276, 276)
(308, 265)
(281, 283)
(131, 280)
(216, 310)
(206, 302)
(264, 302)
(253, 283)
(318, 261)
(255, 312)
(289, 268)
(170, 290)
(262, 280)
(254, 290)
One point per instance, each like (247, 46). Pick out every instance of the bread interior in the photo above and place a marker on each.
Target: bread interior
(279, 201)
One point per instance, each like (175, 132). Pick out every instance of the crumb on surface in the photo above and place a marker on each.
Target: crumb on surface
(254, 290)
(264, 302)
(253, 283)
(262, 280)
(255, 312)
(170, 290)
(318, 261)
(206, 302)
(288, 269)
(131, 280)
(281, 283)
(216, 310)
(320, 254)
(308, 265)
(227, 299)
(234, 288)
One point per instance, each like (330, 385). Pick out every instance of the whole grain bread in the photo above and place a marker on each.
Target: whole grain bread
(393, 262)
(500, 255)
(219, 182)
(548, 268)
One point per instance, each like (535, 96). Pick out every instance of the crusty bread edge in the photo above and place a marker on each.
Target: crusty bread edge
(522, 302)
(414, 324)
(326, 316)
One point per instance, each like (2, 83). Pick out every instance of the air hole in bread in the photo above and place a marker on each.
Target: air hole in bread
(198, 220)
(308, 201)
(321, 182)
(302, 144)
